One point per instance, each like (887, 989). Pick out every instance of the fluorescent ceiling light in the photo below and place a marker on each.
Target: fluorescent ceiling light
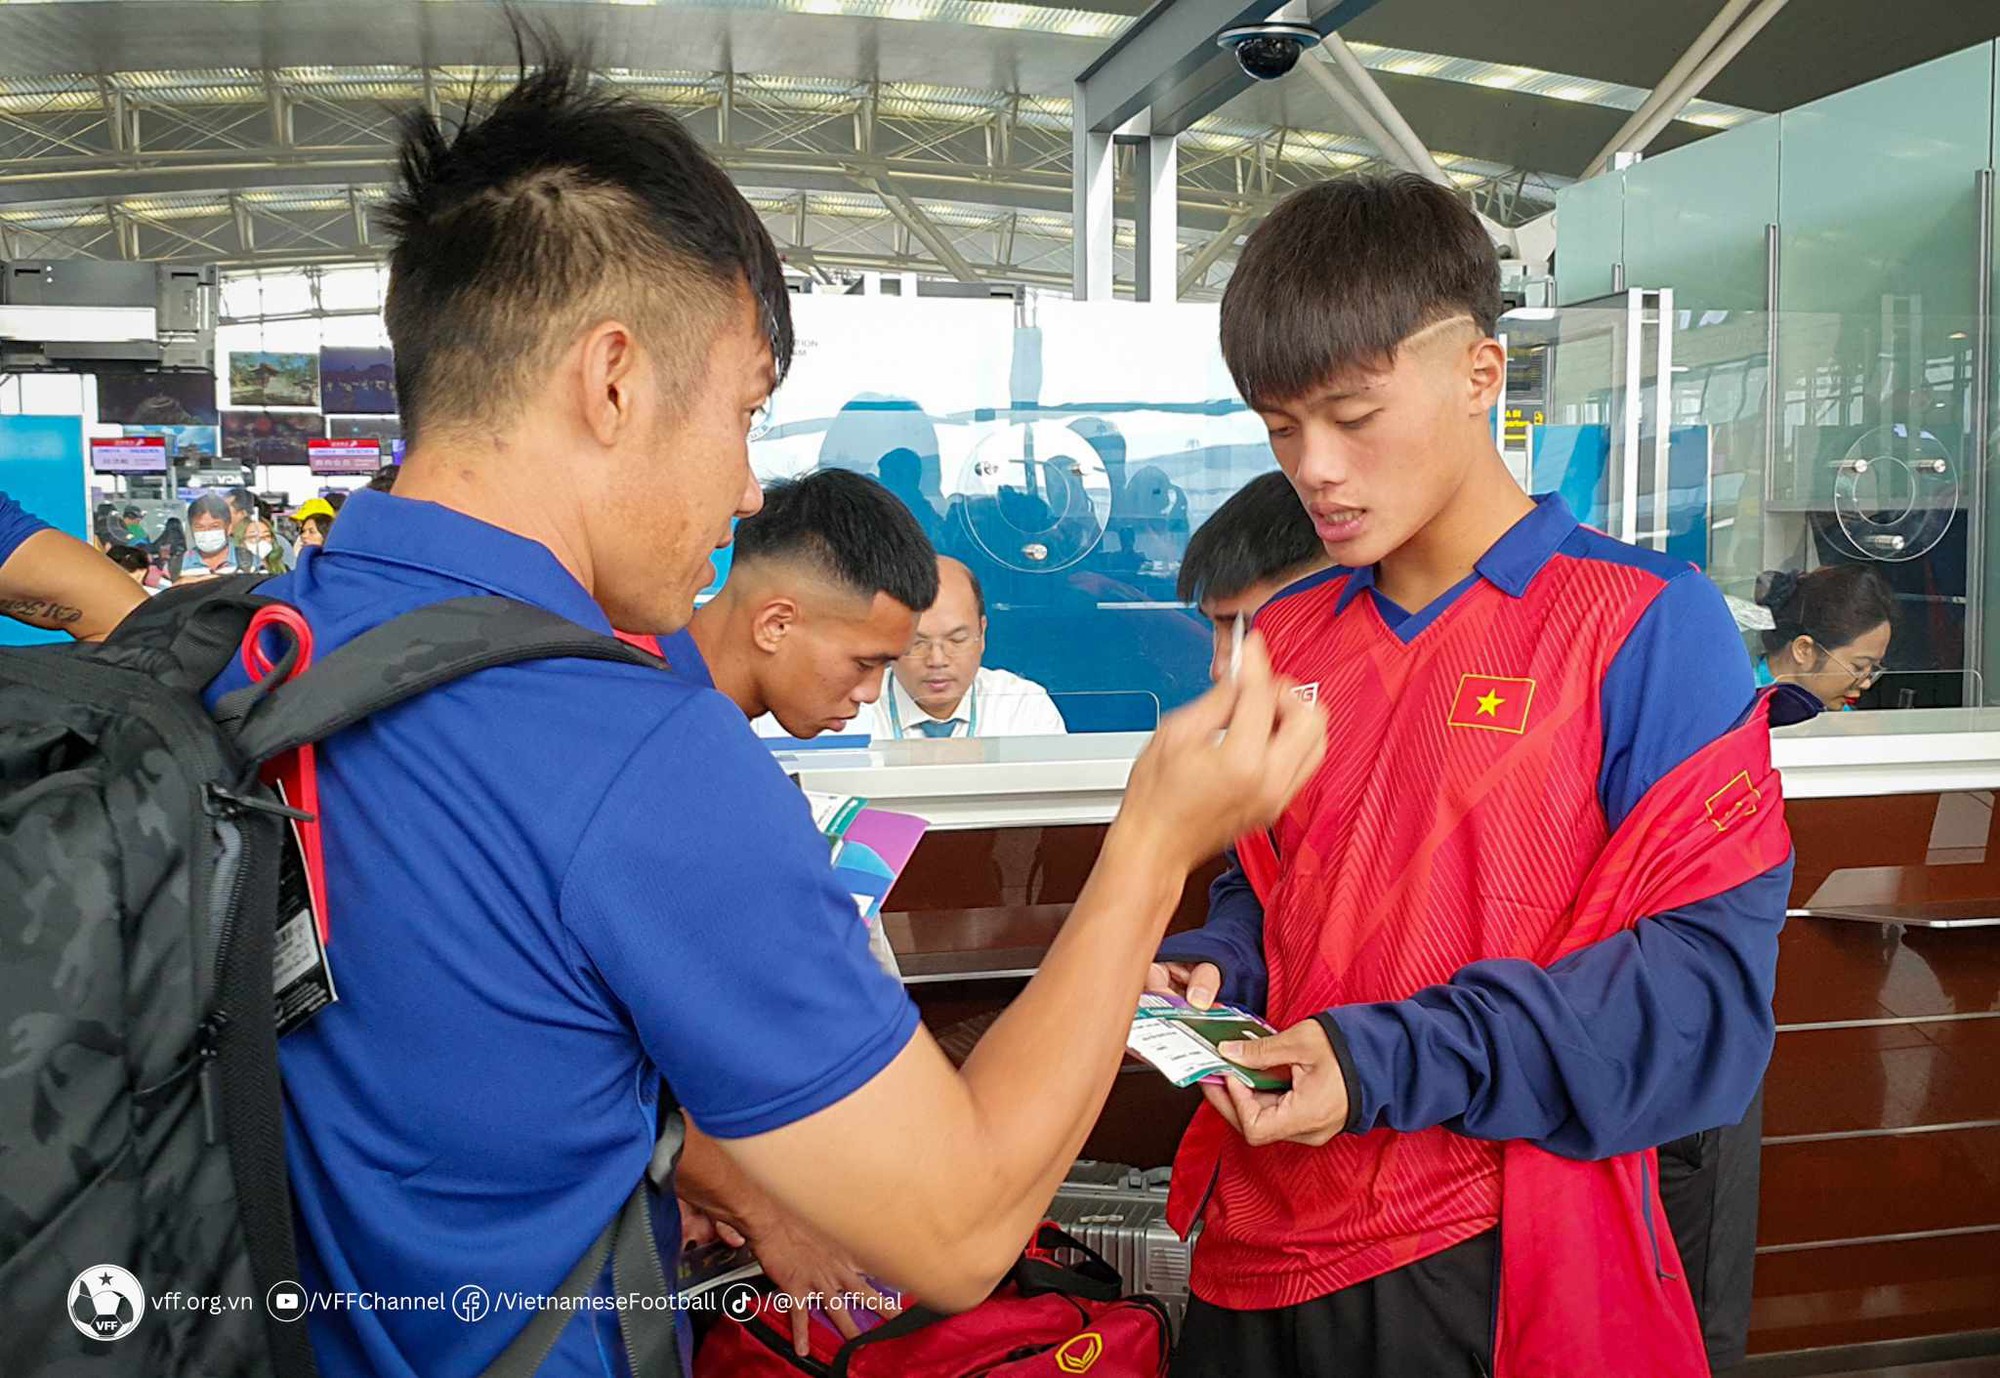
(1533, 81)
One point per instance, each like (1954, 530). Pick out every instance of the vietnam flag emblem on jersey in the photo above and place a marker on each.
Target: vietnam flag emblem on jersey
(1496, 704)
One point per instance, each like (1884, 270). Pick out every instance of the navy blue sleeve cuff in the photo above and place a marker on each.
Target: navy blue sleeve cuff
(1343, 1055)
(1243, 981)
(1196, 945)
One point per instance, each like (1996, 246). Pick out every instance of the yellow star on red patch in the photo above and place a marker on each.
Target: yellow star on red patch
(1489, 704)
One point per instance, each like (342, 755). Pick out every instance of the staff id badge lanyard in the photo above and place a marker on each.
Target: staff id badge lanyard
(302, 981)
(971, 726)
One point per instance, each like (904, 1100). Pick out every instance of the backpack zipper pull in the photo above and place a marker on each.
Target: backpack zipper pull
(212, 1029)
(229, 804)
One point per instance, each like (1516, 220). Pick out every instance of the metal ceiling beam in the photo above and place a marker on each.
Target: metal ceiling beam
(1723, 54)
(1211, 254)
(60, 149)
(1676, 76)
(913, 218)
(1384, 110)
(1167, 63)
(201, 175)
(1320, 71)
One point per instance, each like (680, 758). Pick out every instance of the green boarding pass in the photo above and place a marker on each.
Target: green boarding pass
(1180, 1042)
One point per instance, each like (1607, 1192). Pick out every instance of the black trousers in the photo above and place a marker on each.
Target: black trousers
(1708, 1184)
(1435, 1316)
(1429, 1319)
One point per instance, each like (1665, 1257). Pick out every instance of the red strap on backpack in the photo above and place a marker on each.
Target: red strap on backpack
(295, 775)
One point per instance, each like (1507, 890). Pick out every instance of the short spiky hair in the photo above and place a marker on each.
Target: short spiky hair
(564, 205)
(1260, 533)
(1341, 273)
(850, 529)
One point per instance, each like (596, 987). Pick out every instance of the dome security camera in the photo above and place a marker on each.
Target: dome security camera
(1266, 52)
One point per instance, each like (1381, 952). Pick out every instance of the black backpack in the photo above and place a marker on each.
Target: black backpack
(140, 1118)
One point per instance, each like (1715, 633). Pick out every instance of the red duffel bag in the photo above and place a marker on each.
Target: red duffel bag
(1057, 1313)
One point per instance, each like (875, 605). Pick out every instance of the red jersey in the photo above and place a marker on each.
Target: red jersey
(1456, 819)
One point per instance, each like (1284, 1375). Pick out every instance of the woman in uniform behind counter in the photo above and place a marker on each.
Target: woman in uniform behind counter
(1830, 630)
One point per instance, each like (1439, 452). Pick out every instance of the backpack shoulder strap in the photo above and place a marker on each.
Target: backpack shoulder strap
(187, 635)
(408, 656)
(650, 1334)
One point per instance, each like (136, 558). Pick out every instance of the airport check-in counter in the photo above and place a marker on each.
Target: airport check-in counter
(1880, 1214)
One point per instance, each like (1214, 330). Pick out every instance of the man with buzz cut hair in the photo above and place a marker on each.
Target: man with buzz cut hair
(823, 595)
(1523, 925)
(573, 901)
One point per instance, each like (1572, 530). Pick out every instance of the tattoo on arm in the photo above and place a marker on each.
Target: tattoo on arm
(42, 612)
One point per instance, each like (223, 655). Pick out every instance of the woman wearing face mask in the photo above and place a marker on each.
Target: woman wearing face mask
(1830, 630)
(211, 551)
(261, 552)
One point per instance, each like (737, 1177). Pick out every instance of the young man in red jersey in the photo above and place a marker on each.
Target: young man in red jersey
(1523, 924)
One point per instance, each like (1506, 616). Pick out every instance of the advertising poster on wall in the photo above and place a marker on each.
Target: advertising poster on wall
(357, 380)
(263, 379)
(382, 428)
(157, 399)
(267, 437)
(189, 444)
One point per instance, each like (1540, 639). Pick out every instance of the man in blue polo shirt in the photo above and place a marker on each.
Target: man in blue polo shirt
(551, 886)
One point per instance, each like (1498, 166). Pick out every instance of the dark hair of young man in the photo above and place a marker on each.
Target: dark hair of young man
(850, 529)
(564, 205)
(383, 480)
(1341, 273)
(127, 557)
(1261, 533)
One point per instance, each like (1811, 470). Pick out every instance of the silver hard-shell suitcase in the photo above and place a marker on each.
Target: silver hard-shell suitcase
(1121, 1212)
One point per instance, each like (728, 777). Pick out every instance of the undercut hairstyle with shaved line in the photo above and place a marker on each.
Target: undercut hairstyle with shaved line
(564, 206)
(1261, 533)
(1341, 273)
(848, 529)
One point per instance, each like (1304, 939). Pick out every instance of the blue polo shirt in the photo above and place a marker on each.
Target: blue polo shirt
(549, 886)
(1587, 1057)
(683, 657)
(16, 525)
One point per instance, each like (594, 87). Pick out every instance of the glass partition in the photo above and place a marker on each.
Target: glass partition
(1064, 451)
(1861, 453)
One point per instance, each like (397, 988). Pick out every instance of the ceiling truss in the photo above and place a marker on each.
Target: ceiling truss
(264, 168)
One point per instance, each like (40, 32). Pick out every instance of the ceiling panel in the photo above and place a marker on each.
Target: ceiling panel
(1813, 47)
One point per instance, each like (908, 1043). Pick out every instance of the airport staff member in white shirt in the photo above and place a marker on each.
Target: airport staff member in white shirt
(939, 689)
